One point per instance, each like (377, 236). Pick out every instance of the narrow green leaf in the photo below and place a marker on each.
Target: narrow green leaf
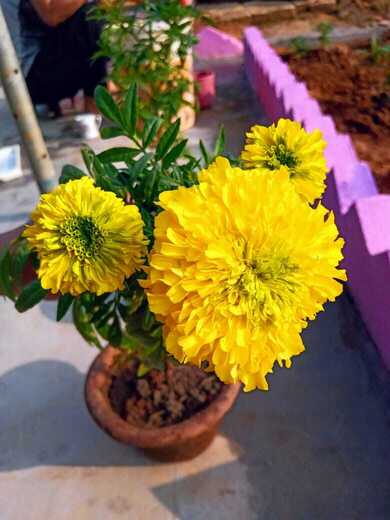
(109, 132)
(107, 105)
(103, 312)
(148, 321)
(115, 333)
(150, 131)
(88, 156)
(139, 166)
(5, 274)
(130, 109)
(20, 257)
(103, 330)
(174, 153)
(205, 154)
(169, 182)
(167, 139)
(106, 175)
(31, 294)
(220, 142)
(83, 324)
(70, 173)
(118, 154)
(63, 305)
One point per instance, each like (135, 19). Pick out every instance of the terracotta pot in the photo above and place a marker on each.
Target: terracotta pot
(182, 441)
(206, 84)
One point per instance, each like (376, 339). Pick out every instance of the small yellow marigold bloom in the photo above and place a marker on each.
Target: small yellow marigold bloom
(240, 263)
(288, 147)
(86, 239)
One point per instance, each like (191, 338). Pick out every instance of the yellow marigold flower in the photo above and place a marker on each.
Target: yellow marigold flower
(287, 146)
(240, 263)
(86, 239)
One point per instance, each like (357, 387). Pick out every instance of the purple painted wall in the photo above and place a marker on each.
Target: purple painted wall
(217, 44)
(362, 215)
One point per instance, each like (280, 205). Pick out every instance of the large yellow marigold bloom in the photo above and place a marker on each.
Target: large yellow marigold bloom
(86, 239)
(240, 263)
(287, 146)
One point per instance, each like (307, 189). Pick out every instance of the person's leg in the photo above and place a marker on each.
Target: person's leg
(65, 65)
(81, 35)
(52, 78)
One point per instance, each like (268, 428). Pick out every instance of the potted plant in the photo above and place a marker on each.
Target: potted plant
(190, 275)
(151, 44)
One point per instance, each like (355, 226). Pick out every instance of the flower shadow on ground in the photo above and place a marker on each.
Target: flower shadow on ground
(45, 421)
(315, 446)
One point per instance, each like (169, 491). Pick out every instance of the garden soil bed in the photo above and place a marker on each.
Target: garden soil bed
(360, 13)
(356, 93)
(161, 398)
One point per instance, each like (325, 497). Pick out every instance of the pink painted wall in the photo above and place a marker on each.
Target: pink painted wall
(363, 216)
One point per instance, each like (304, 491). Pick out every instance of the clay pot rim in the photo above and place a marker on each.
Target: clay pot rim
(97, 383)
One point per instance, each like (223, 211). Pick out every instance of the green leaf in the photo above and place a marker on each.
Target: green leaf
(107, 105)
(5, 274)
(128, 342)
(150, 131)
(167, 139)
(139, 166)
(106, 175)
(109, 180)
(109, 132)
(64, 303)
(32, 294)
(205, 154)
(174, 153)
(130, 109)
(115, 333)
(133, 303)
(82, 323)
(88, 156)
(102, 314)
(70, 173)
(148, 321)
(20, 257)
(220, 142)
(118, 154)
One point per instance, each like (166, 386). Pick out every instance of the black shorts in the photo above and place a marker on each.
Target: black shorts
(65, 64)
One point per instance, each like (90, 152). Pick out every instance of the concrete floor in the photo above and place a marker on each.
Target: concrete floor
(315, 447)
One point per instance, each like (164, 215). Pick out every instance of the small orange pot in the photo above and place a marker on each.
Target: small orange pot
(182, 441)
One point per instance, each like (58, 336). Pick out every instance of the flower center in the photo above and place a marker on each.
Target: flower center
(279, 155)
(266, 286)
(82, 237)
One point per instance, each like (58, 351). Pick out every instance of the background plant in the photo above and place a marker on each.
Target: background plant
(137, 174)
(299, 46)
(378, 52)
(150, 44)
(325, 29)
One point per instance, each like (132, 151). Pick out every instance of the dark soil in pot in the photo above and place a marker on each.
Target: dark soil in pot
(172, 416)
(161, 398)
(356, 93)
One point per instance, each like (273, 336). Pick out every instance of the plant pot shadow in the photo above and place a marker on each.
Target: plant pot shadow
(314, 446)
(45, 422)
